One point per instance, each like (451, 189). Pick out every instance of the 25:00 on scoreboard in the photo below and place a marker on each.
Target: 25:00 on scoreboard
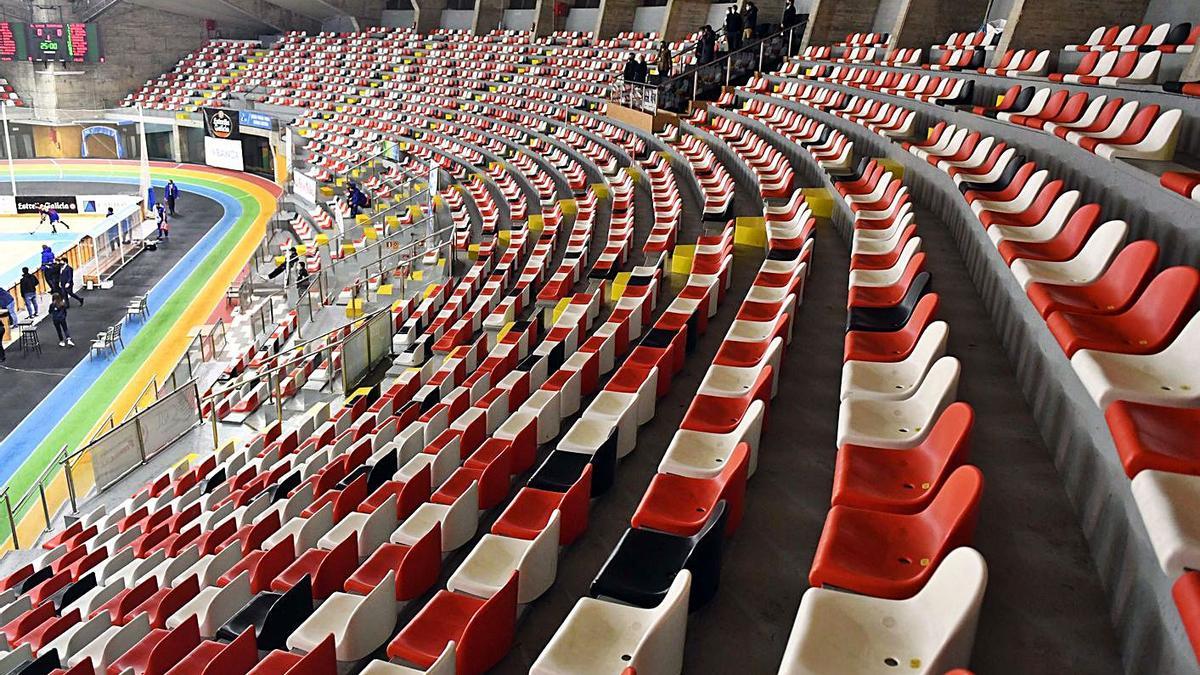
(78, 42)
(71, 42)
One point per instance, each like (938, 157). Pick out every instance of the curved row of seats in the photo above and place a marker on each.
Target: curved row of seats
(1108, 127)
(1112, 55)
(1127, 330)
(326, 70)
(902, 445)
(667, 562)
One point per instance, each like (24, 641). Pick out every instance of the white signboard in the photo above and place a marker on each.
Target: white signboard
(223, 153)
(305, 186)
(115, 454)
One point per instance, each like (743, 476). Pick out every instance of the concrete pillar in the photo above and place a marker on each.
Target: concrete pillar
(616, 16)
(428, 14)
(922, 23)
(544, 19)
(1191, 72)
(177, 143)
(1050, 24)
(830, 21)
(770, 11)
(682, 18)
(488, 15)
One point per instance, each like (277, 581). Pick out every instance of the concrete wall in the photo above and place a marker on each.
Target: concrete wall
(429, 14)
(1050, 24)
(544, 21)
(1172, 11)
(488, 15)
(682, 18)
(645, 20)
(367, 12)
(458, 18)
(832, 20)
(922, 23)
(399, 18)
(617, 16)
(519, 19)
(886, 15)
(583, 19)
(140, 44)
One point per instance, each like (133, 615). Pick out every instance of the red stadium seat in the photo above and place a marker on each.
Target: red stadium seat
(1146, 327)
(890, 555)
(482, 629)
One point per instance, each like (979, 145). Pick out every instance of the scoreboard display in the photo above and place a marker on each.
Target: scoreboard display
(74, 42)
(12, 42)
(66, 42)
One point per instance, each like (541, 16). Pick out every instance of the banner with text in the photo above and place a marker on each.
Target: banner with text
(223, 139)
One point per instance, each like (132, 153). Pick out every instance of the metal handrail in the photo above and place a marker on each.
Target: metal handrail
(746, 48)
(152, 384)
(12, 512)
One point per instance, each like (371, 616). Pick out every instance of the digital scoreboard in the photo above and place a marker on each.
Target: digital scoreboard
(12, 42)
(67, 42)
(71, 42)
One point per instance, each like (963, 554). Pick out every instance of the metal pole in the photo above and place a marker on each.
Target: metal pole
(70, 482)
(45, 506)
(278, 397)
(12, 179)
(216, 434)
(141, 445)
(12, 523)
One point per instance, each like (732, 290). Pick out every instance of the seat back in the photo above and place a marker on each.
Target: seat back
(661, 646)
(955, 508)
(1167, 301)
(938, 389)
(237, 658)
(950, 602)
(286, 614)
(173, 647)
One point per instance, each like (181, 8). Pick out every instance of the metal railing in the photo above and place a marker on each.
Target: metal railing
(704, 81)
(13, 511)
(637, 95)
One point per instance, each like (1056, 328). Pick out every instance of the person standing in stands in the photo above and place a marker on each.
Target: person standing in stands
(29, 291)
(66, 281)
(6, 303)
(789, 15)
(706, 47)
(664, 62)
(58, 314)
(629, 74)
(171, 192)
(750, 19)
(49, 268)
(733, 30)
(643, 70)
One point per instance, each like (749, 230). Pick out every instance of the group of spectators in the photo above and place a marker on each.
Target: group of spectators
(740, 27)
(59, 277)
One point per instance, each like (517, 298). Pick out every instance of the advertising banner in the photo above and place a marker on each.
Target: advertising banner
(35, 203)
(250, 118)
(305, 186)
(222, 123)
(223, 154)
(223, 139)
